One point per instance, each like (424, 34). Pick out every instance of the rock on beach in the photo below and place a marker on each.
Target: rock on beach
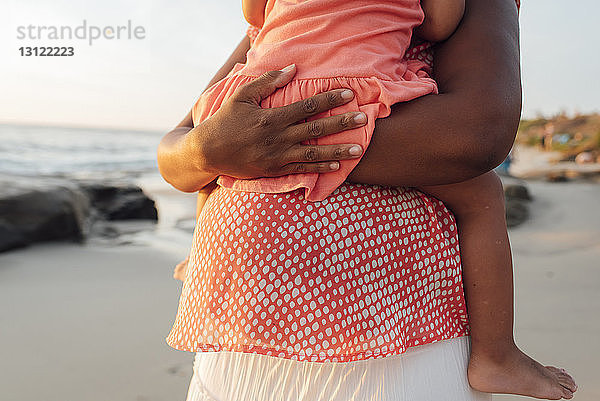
(49, 209)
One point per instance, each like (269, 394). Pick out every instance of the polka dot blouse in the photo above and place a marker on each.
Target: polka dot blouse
(366, 273)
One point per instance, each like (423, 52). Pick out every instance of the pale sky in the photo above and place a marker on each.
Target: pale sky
(151, 83)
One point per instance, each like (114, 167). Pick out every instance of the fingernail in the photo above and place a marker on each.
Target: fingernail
(347, 94)
(355, 150)
(288, 68)
(360, 118)
(333, 166)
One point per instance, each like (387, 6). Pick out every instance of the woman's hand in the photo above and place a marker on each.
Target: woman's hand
(243, 140)
(269, 144)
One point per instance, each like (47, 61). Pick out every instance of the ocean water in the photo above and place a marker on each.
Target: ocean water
(38, 150)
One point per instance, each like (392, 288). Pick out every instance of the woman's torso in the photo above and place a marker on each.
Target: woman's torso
(364, 274)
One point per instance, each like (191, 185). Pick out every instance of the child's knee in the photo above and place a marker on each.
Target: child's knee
(491, 184)
(476, 196)
(482, 194)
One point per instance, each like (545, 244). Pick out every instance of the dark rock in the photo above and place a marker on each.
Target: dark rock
(10, 238)
(34, 210)
(517, 191)
(517, 197)
(47, 209)
(517, 212)
(120, 201)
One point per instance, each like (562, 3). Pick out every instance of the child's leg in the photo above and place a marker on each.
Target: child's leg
(496, 364)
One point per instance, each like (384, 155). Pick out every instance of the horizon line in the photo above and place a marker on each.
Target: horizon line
(41, 124)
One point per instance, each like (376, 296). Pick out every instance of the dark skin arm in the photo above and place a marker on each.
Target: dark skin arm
(438, 139)
(468, 128)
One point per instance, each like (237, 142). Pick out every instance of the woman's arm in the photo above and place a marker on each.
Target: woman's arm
(469, 127)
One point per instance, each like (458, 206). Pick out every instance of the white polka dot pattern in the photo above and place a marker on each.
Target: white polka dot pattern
(363, 274)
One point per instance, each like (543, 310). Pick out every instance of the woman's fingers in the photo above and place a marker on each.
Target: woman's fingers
(297, 168)
(325, 126)
(316, 104)
(265, 85)
(315, 159)
(317, 153)
(275, 134)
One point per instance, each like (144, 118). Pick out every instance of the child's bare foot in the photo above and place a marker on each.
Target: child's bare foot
(180, 269)
(516, 373)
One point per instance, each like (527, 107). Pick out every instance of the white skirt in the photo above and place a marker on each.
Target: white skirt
(424, 373)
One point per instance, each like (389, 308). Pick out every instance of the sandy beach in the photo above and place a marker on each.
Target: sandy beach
(87, 322)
